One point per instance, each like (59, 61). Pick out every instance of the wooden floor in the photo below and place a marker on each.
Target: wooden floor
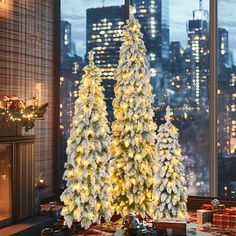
(28, 227)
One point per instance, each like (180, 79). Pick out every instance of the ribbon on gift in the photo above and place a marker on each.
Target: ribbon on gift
(207, 207)
(220, 207)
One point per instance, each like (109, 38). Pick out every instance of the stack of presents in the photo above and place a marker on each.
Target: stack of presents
(217, 215)
(213, 218)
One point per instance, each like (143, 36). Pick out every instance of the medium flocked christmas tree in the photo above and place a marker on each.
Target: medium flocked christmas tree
(87, 168)
(171, 184)
(133, 139)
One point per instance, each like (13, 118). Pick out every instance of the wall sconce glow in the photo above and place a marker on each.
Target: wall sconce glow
(6, 7)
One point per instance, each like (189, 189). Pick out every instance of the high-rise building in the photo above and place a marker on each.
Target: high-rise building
(70, 75)
(70, 72)
(66, 40)
(226, 119)
(104, 31)
(233, 112)
(180, 70)
(177, 73)
(153, 16)
(198, 42)
(226, 129)
(224, 54)
(176, 57)
(224, 94)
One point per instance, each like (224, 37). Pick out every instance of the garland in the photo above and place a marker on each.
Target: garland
(14, 109)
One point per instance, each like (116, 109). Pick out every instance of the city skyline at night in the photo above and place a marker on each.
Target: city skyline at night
(78, 19)
(179, 15)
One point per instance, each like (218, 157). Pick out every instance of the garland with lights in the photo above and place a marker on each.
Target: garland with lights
(14, 109)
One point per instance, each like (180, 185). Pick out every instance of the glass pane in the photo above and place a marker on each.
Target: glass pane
(176, 35)
(5, 182)
(177, 42)
(226, 98)
(87, 25)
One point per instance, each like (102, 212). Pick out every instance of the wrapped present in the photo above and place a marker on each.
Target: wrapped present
(224, 220)
(221, 220)
(207, 207)
(204, 216)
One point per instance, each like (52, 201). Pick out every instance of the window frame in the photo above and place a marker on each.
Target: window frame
(213, 85)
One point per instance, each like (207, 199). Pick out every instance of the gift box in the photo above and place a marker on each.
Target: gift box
(224, 220)
(204, 216)
(221, 220)
(207, 207)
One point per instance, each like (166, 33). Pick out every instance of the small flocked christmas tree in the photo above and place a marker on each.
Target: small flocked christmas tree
(86, 196)
(171, 184)
(133, 140)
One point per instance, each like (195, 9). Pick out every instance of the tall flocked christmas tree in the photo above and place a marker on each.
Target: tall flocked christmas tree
(87, 168)
(133, 139)
(171, 184)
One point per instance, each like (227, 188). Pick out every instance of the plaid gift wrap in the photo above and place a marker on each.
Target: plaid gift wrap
(221, 220)
(233, 221)
(224, 220)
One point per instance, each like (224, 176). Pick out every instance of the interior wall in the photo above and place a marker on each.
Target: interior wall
(27, 66)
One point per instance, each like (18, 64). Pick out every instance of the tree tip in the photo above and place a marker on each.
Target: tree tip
(91, 56)
(132, 11)
(169, 114)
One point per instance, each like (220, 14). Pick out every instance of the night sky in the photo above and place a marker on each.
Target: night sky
(74, 11)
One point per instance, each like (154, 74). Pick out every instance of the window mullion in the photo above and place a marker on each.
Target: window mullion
(213, 100)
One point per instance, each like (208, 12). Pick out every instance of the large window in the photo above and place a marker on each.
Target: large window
(87, 25)
(177, 37)
(226, 49)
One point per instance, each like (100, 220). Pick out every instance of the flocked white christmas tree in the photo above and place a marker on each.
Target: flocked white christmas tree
(133, 140)
(171, 188)
(86, 196)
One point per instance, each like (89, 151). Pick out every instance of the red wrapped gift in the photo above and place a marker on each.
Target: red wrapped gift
(204, 216)
(207, 207)
(224, 220)
(221, 220)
